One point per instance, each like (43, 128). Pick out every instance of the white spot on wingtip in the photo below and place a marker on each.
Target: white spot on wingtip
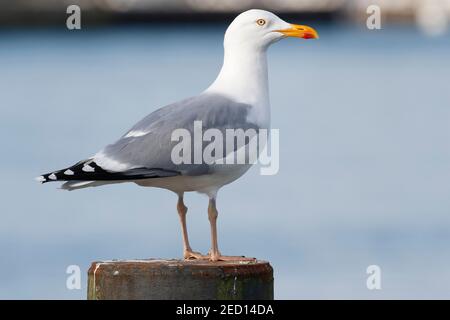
(68, 172)
(106, 163)
(88, 168)
(52, 176)
(40, 179)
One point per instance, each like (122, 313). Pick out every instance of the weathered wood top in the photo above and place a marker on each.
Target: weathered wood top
(171, 263)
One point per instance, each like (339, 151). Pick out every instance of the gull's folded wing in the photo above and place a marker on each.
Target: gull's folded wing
(145, 150)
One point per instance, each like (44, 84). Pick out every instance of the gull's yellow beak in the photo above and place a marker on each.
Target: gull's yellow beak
(299, 31)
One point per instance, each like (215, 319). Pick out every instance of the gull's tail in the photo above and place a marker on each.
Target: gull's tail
(87, 172)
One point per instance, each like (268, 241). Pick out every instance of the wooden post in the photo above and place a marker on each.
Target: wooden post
(180, 279)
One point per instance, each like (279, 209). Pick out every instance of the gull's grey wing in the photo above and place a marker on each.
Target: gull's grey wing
(148, 143)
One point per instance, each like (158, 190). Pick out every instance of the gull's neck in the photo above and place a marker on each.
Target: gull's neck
(244, 78)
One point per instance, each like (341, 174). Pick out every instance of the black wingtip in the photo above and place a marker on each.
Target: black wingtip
(88, 170)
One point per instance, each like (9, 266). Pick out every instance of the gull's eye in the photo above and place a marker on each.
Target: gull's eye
(260, 22)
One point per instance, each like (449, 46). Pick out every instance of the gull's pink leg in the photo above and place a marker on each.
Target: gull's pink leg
(214, 253)
(187, 251)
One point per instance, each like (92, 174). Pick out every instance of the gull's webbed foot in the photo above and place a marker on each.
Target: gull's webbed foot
(216, 256)
(192, 255)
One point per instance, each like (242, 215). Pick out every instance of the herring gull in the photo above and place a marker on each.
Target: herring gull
(237, 99)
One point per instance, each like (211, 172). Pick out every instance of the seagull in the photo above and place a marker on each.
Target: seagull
(237, 99)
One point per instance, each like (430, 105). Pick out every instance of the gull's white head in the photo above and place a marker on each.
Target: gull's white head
(258, 29)
(243, 75)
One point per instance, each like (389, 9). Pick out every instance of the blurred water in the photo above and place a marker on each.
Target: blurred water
(365, 159)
